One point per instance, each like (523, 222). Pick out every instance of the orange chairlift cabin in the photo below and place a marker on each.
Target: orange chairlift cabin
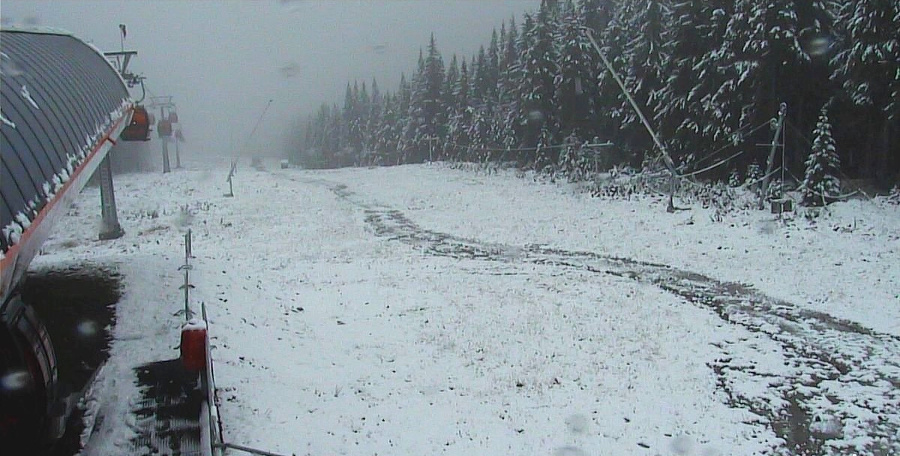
(141, 120)
(164, 128)
(139, 128)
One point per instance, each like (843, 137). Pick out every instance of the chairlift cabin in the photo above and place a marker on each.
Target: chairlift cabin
(164, 128)
(139, 128)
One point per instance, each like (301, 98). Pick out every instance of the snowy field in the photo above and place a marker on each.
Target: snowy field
(421, 310)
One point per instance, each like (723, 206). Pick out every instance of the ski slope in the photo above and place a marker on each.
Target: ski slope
(429, 310)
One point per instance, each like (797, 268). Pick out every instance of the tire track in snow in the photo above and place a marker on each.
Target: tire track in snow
(838, 392)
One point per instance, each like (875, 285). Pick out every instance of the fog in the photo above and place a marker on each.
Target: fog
(223, 61)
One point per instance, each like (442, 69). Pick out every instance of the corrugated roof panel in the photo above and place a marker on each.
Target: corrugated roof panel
(59, 93)
(59, 99)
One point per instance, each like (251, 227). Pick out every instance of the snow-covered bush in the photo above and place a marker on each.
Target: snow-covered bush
(775, 190)
(754, 174)
(614, 190)
(712, 195)
(894, 196)
(734, 179)
(623, 183)
(573, 161)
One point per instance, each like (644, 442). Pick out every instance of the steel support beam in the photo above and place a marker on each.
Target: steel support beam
(110, 228)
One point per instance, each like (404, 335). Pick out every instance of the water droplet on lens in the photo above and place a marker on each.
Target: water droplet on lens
(87, 328)
(577, 424)
(818, 46)
(9, 68)
(15, 380)
(682, 444)
(569, 451)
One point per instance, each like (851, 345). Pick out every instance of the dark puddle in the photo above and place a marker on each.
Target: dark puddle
(77, 305)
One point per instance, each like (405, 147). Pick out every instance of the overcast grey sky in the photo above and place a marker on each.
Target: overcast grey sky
(223, 60)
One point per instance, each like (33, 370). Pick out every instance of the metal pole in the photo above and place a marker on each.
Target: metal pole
(783, 163)
(165, 144)
(187, 278)
(666, 158)
(782, 110)
(177, 154)
(165, 148)
(108, 212)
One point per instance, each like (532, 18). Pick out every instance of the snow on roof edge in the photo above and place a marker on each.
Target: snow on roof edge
(39, 29)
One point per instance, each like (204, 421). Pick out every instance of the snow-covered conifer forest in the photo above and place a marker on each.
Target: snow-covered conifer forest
(710, 77)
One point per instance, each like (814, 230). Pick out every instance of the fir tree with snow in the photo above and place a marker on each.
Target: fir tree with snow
(819, 182)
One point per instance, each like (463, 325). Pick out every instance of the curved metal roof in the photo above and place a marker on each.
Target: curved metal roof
(60, 101)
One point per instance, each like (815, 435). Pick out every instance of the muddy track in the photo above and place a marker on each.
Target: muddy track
(833, 382)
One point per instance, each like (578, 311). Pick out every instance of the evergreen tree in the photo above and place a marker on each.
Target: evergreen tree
(479, 73)
(411, 144)
(386, 148)
(372, 124)
(448, 104)
(435, 112)
(507, 87)
(819, 182)
(682, 109)
(762, 61)
(460, 120)
(492, 70)
(644, 53)
(574, 86)
(596, 14)
(868, 68)
(537, 63)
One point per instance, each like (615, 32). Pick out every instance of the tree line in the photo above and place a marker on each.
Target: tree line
(710, 76)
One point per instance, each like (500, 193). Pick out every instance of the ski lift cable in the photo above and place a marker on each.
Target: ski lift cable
(526, 149)
(841, 196)
(732, 144)
(715, 165)
(237, 154)
(772, 173)
(150, 92)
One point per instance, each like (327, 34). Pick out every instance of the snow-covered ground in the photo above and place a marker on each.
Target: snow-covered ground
(429, 310)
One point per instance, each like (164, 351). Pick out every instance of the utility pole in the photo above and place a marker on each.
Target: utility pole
(165, 143)
(431, 140)
(665, 153)
(110, 228)
(782, 111)
(177, 154)
(164, 128)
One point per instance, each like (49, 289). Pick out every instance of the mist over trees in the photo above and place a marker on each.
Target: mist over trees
(710, 76)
